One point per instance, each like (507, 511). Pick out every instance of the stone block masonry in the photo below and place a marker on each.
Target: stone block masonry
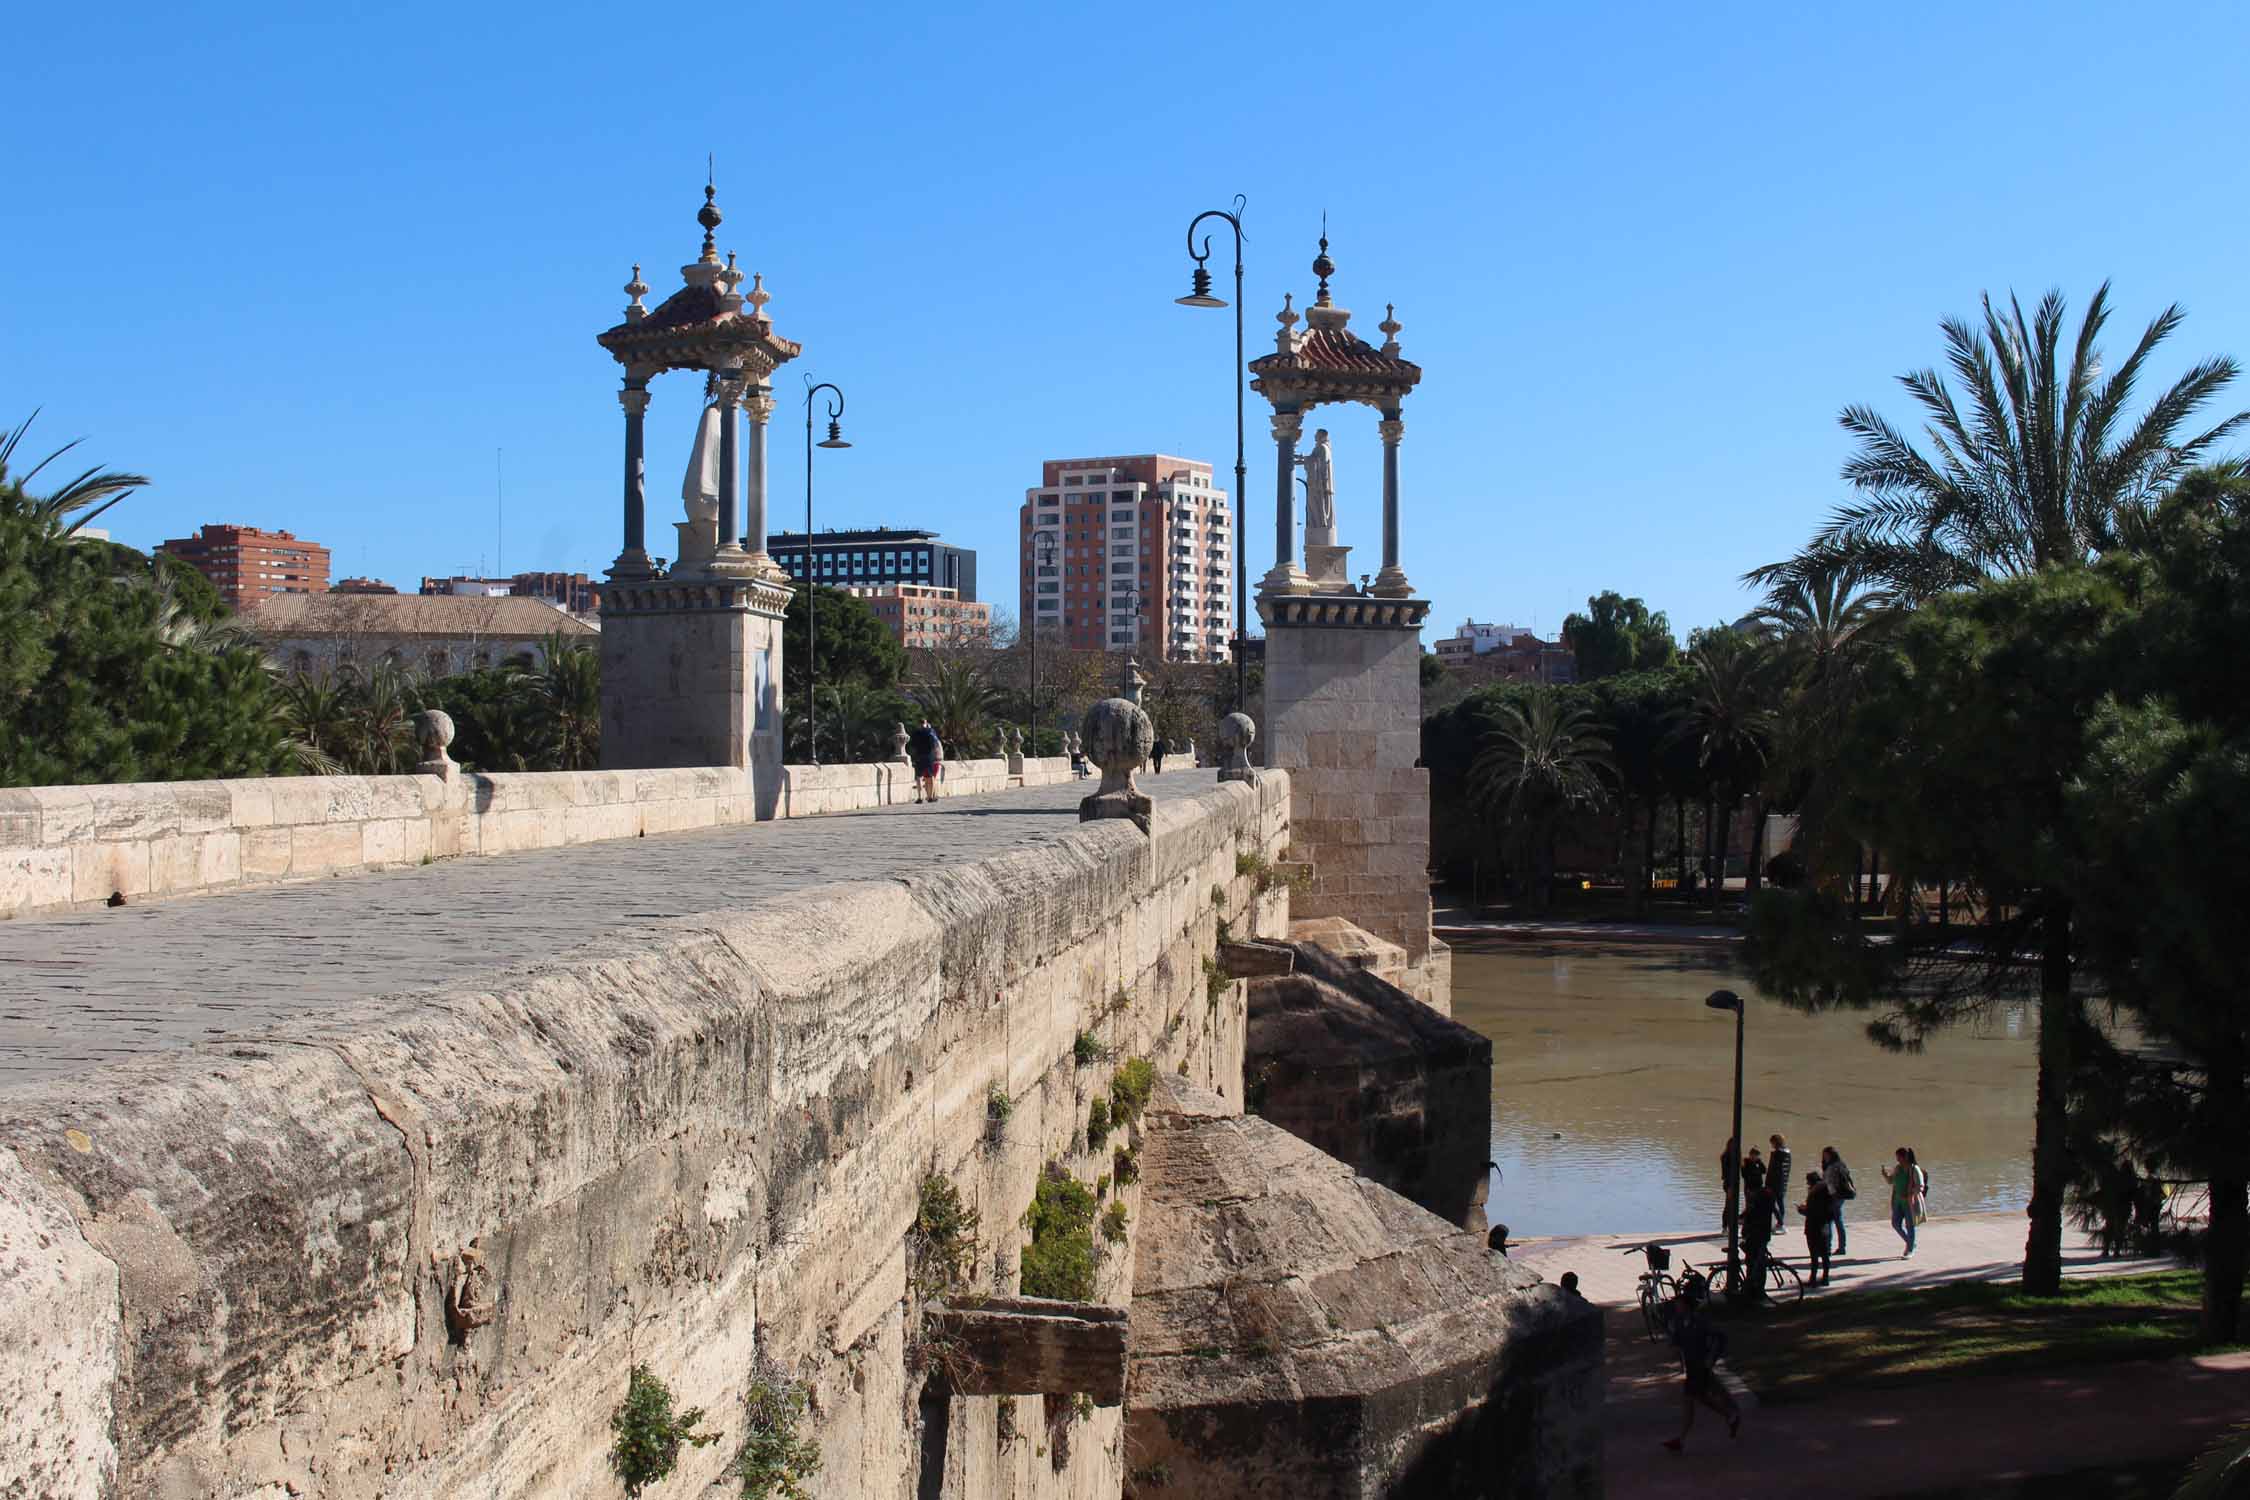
(66, 848)
(679, 1095)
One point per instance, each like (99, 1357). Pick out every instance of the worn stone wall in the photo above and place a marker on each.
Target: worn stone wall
(1345, 704)
(65, 847)
(1345, 1061)
(693, 1143)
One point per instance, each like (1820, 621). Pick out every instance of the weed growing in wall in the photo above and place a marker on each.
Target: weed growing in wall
(1125, 1166)
(1215, 982)
(1004, 1421)
(1129, 1090)
(647, 1434)
(997, 1108)
(1059, 1261)
(776, 1456)
(1087, 1049)
(1250, 862)
(944, 1238)
(1097, 1122)
(1113, 1224)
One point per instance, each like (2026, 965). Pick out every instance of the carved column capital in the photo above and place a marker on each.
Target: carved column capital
(1288, 426)
(634, 398)
(1392, 429)
(759, 403)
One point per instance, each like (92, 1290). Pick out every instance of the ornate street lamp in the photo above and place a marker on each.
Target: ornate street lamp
(1199, 295)
(1044, 550)
(1729, 1000)
(835, 439)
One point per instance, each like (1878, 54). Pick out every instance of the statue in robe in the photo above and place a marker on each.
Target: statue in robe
(1320, 490)
(700, 489)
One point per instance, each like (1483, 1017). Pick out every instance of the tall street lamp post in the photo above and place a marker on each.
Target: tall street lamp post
(835, 439)
(1043, 553)
(1199, 295)
(1729, 1000)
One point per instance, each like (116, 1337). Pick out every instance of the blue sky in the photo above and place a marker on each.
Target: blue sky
(309, 268)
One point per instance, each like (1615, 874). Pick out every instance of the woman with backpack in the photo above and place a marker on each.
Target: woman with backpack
(1908, 1186)
(1841, 1189)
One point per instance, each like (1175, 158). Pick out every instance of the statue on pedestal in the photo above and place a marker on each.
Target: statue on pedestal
(1320, 491)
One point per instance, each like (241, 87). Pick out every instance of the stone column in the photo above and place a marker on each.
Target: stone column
(759, 404)
(633, 560)
(729, 397)
(1286, 577)
(1391, 582)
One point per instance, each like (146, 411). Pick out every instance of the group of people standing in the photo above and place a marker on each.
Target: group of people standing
(1763, 1182)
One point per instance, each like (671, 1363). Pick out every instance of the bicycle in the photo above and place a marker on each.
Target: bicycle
(1783, 1281)
(1657, 1288)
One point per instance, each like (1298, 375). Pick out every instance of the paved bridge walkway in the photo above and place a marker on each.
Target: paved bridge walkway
(82, 989)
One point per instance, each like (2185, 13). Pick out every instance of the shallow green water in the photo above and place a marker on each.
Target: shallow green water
(1612, 1085)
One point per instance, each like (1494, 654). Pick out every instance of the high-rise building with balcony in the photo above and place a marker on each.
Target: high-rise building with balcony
(247, 565)
(1129, 553)
(879, 555)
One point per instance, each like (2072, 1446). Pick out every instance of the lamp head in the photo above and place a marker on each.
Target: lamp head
(1723, 1000)
(835, 438)
(1199, 295)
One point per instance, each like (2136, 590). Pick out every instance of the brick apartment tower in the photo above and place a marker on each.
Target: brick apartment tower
(247, 565)
(1142, 557)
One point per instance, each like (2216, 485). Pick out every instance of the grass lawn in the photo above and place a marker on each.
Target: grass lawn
(1859, 1339)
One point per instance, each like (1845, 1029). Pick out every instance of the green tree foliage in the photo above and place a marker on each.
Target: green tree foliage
(113, 668)
(1729, 719)
(1541, 760)
(566, 686)
(1958, 755)
(776, 1456)
(854, 643)
(1640, 713)
(958, 702)
(1617, 634)
(2159, 820)
(2045, 464)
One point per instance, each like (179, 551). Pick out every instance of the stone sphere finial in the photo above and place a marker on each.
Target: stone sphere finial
(433, 732)
(1237, 733)
(1118, 738)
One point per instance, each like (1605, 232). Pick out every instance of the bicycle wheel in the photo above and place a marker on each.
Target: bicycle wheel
(1784, 1280)
(1652, 1309)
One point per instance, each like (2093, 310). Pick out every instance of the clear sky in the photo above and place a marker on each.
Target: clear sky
(310, 268)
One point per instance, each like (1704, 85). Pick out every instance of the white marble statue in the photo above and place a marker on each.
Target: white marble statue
(700, 489)
(1320, 491)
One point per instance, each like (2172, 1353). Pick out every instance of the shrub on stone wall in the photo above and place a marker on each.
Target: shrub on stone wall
(1130, 1089)
(944, 1239)
(1059, 1261)
(648, 1433)
(775, 1457)
(1097, 1122)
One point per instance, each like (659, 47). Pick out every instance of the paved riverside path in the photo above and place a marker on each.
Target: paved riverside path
(1975, 1433)
(81, 989)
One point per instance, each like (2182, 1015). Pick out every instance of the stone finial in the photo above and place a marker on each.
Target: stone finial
(1237, 733)
(898, 743)
(1322, 266)
(636, 289)
(759, 296)
(1130, 680)
(1390, 327)
(1191, 758)
(1118, 738)
(730, 285)
(710, 218)
(433, 731)
(1285, 341)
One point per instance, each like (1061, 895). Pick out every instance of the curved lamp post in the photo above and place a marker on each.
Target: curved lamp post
(1045, 549)
(1199, 295)
(835, 439)
(1729, 1000)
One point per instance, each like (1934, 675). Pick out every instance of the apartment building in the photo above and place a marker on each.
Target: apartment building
(921, 615)
(1129, 553)
(574, 592)
(247, 565)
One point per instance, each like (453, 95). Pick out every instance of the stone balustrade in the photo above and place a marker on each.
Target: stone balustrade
(77, 847)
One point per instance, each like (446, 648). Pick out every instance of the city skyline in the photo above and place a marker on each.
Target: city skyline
(1642, 289)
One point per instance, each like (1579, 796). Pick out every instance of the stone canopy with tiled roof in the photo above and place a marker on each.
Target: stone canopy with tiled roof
(708, 324)
(1328, 362)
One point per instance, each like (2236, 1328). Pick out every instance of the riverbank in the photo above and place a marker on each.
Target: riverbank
(1464, 926)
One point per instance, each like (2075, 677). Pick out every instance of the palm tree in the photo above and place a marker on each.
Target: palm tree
(379, 727)
(1540, 761)
(316, 709)
(1823, 624)
(957, 701)
(2045, 465)
(566, 689)
(1729, 719)
(92, 492)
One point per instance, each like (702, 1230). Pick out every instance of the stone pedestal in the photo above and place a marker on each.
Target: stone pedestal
(691, 676)
(1328, 567)
(1344, 719)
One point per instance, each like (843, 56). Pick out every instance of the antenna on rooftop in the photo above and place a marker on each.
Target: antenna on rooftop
(499, 517)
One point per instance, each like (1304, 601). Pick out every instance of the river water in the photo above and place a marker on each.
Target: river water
(1612, 1084)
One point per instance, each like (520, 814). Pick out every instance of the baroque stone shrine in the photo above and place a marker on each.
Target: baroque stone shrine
(1343, 663)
